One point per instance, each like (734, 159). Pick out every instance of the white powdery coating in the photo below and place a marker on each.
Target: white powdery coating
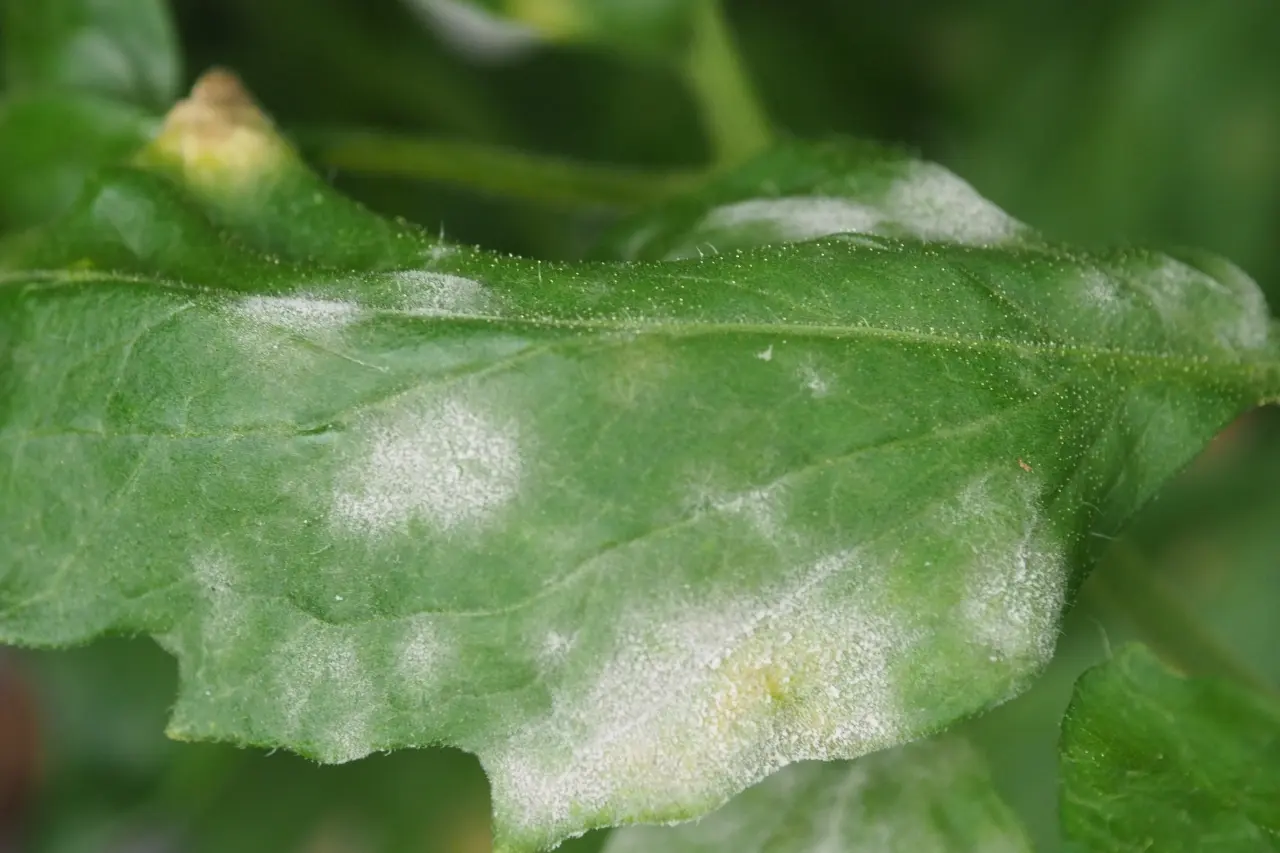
(422, 652)
(795, 217)
(758, 506)
(934, 204)
(695, 703)
(326, 695)
(1017, 583)
(555, 648)
(437, 294)
(447, 464)
(813, 381)
(928, 202)
(301, 314)
(222, 622)
(1172, 283)
(1102, 291)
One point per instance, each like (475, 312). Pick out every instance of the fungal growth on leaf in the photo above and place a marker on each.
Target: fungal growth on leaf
(635, 533)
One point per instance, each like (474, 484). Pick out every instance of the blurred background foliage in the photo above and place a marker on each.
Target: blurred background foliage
(1100, 122)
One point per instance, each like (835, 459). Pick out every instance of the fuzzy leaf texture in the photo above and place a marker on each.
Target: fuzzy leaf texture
(934, 796)
(1154, 761)
(636, 534)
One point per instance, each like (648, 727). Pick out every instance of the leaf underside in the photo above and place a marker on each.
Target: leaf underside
(635, 533)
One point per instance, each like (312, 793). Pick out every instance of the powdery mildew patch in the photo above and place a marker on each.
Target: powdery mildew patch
(325, 692)
(301, 315)
(1240, 318)
(759, 507)
(794, 217)
(423, 651)
(436, 294)
(447, 464)
(1016, 586)
(693, 704)
(222, 615)
(927, 202)
(934, 204)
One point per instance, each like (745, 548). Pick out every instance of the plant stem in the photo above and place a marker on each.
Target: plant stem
(735, 121)
(492, 169)
(1128, 583)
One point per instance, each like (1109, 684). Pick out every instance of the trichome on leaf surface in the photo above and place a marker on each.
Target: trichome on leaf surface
(807, 464)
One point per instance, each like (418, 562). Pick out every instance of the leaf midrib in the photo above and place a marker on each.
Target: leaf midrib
(1261, 375)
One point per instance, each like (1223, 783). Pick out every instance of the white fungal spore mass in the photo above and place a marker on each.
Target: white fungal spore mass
(795, 218)
(1017, 582)
(325, 692)
(447, 464)
(299, 314)
(712, 696)
(927, 202)
(934, 204)
(437, 294)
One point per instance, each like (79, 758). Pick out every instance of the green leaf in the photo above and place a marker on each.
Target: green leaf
(636, 534)
(1152, 761)
(51, 142)
(654, 27)
(803, 191)
(929, 797)
(119, 48)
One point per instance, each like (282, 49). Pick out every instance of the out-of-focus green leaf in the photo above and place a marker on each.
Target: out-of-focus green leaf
(501, 27)
(636, 534)
(50, 142)
(1152, 761)
(118, 48)
(928, 797)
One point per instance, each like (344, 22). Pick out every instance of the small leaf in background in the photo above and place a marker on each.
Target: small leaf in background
(933, 796)
(1153, 761)
(506, 28)
(51, 142)
(125, 49)
(81, 77)
(637, 535)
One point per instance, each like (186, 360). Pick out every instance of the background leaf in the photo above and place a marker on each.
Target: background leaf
(51, 142)
(650, 28)
(389, 492)
(928, 797)
(125, 49)
(1151, 759)
(114, 782)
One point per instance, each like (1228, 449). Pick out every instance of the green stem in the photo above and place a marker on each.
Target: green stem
(735, 121)
(1128, 583)
(492, 169)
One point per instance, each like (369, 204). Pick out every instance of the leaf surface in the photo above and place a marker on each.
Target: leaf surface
(929, 797)
(1153, 761)
(636, 534)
